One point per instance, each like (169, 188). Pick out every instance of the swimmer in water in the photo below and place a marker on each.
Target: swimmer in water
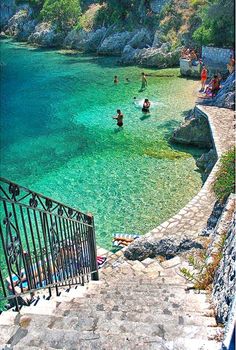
(116, 81)
(119, 118)
(146, 105)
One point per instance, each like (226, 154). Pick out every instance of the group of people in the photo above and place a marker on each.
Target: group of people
(146, 104)
(214, 85)
(191, 55)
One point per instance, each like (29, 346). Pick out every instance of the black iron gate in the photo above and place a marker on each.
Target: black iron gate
(43, 243)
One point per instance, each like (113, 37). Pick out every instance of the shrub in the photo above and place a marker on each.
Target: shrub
(89, 18)
(225, 178)
(64, 13)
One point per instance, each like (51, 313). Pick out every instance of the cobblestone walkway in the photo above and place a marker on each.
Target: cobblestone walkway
(134, 306)
(193, 217)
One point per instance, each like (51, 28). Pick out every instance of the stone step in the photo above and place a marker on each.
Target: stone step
(105, 332)
(85, 321)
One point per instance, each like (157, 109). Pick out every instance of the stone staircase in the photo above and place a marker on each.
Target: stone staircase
(135, 305)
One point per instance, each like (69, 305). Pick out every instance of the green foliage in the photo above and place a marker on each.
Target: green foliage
(64, 13)
(89, 18)
(225, 182)
(35, 4)
(217, 27)
(203, 274)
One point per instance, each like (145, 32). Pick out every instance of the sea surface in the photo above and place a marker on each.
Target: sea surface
(58, 136)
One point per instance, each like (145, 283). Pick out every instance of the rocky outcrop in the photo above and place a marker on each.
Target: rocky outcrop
(46, 35)
(86, 41)
(150, 57)
(193, 131)
(7, 9)
(115, 43)
(21, 25)
(225, 97)
(143, 248)
(206, 162)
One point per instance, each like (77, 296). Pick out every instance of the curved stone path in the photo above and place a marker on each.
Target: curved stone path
(192, 219)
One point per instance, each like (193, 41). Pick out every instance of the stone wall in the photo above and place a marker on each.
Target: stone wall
(186, 68)
(215, 55)
(224, 284)
(216, 59)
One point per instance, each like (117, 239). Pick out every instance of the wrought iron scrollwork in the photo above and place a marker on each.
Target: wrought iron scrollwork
(48, 203)
(33, 201)
(70, 212)
(14, 190)
(60, 211)
(13, 246)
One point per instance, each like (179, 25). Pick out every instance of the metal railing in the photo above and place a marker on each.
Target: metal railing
(43, 243)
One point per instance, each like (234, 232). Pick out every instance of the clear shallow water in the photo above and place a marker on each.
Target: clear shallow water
(58, 137)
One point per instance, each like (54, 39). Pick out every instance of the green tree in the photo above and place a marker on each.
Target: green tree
(64, 13)
(217, 27)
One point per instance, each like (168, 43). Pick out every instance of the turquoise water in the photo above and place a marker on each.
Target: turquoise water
(58, 137)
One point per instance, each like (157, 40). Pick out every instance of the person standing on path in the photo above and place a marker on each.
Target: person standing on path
(203, 78)
(119, 118)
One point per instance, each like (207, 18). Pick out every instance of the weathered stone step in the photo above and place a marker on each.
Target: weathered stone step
(71, 339)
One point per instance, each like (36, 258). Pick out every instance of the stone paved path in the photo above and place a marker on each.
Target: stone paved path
(192, 219)
(134, 306)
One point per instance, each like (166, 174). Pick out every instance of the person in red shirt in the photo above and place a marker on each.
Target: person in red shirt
(203, 77)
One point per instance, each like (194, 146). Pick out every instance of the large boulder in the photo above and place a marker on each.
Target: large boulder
(7, 10)
(82, 40)
(168, 247)
(46, 35)
(115, 43)
(193, 131)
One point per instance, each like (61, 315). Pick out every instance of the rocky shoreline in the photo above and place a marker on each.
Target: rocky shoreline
(137, 47)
